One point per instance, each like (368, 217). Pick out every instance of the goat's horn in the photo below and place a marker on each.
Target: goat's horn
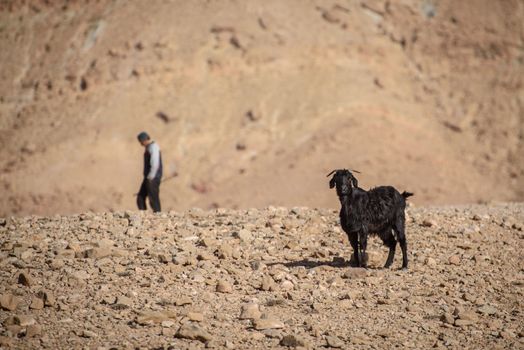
(330, 173)
(355, 171)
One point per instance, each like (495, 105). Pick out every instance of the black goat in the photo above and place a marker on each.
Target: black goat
(378, 211)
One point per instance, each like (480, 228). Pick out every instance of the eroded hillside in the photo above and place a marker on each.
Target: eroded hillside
(254, 102)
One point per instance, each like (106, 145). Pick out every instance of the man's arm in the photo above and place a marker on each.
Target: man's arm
(154, 151)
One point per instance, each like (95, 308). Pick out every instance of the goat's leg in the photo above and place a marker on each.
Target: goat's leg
(391, 243)
(400, 230)
(363, 243)
(353, 240)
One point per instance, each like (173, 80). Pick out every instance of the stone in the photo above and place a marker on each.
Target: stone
(224, 287)
(204, 256)
(81, 275)
(292, 340)
(268, 284)
(224, 251)
(88, 334)
(429, 223)
(154, 317)
(167, 324)
(183, 301)
(463, 323)
(193, 332)
(5, 342)
(355, 273)
(250, 311)
(244, 235)
(487, 310)
(454, 260)
(447, 318)
(33, 330)
(195, 316)
(122, 302)
(25, 279)
(37, 303)
(267, 323)
(287, 285)
(13, 330)
(430, 262)
(48, 297)
(94, 253)
(24, 320)
(468, 315)
(9, 302)
(334, 342)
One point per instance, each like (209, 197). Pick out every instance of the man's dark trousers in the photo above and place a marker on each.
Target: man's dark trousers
(151, 189)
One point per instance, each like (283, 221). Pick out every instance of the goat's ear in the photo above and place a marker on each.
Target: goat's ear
(332, 182)
(354, 181)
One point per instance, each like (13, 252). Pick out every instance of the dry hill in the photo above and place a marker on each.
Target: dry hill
(253, 102)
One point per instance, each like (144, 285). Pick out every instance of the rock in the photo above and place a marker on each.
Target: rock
(244, 235)
(224, 287)
(81, 275)
(454, 260)
(487, 310)
(33, 330)
(122, 302)
(204, 256)
(183, 301)
(25, 279)
(268, 283)
(463, 323)
(507, 334)
(334, 342)
(355, 273)
(47, 297)
(431, 262)
(9, 302)
(24, 320)
(14, 330)
(154, 317)
(468, 315)
(88, 334)
(267, 323)
(193, 332)
(224, 251)
(94, 253)
(429, 223)
(195, 316)
(287, 285)
(293, 341)
(56, 264)
(5, 342)
(167, 324)
(37, 303)
(250, 311)
(447, 318)
(180, 259)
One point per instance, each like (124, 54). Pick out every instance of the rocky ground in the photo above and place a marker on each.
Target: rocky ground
(258, 279)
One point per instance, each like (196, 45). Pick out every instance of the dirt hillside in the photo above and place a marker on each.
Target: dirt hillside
(273, 278)
(253, 102)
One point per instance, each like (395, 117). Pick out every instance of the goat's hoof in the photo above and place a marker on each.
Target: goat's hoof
(404, 268)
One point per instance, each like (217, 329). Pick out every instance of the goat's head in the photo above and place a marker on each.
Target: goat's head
(344, 180)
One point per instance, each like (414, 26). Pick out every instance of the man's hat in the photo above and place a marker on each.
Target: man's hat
(143, 136)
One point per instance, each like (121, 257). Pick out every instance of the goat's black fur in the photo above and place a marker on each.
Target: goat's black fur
(378, 211)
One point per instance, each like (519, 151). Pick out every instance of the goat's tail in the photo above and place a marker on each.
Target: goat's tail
(407, 194)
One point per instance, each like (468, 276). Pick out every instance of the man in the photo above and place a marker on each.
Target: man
(152, 174)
